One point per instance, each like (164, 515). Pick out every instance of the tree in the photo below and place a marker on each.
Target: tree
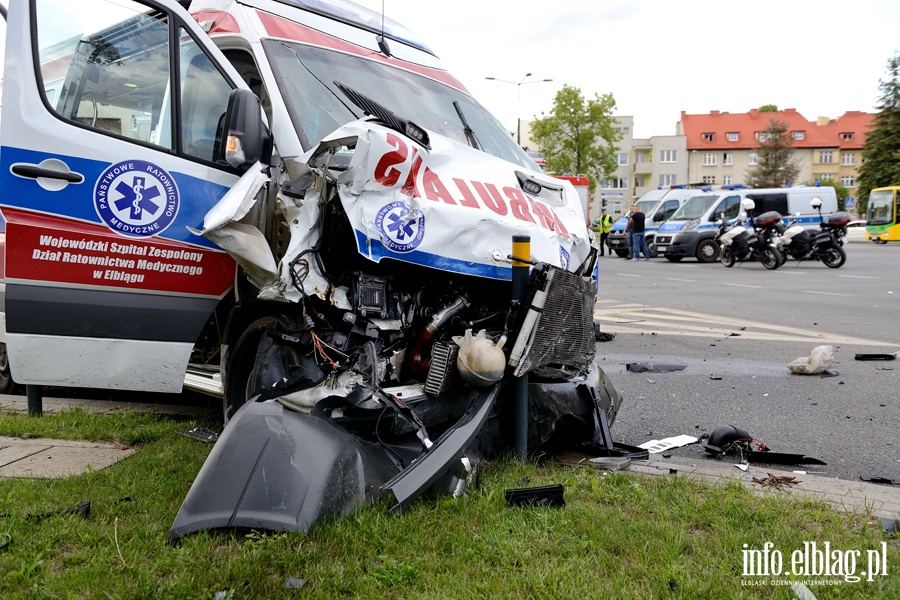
(775, 158)
(768, 108)
(881, 152)
(839, 190)
(579, 136)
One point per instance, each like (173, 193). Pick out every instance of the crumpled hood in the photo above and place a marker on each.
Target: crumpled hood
(452, 207)
(449, 207)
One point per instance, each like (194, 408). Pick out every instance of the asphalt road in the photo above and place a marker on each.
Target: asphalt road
(736, 330)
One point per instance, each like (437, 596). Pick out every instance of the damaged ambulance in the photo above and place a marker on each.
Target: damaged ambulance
(291, 204)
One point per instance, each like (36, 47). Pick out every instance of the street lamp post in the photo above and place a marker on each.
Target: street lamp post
(518, 85)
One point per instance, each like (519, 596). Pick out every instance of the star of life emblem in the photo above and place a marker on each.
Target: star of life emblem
(401, 230)
(136, 198)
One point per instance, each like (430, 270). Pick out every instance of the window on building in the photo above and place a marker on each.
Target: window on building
(726, 179)
(826, 156)
(623, 159)
(847, 137)
(762, 136)
(733, 136)
(799, 135)
(668, 156)
(709, 158)
(752, 158)
(665, 180)
(848, 158)
(640, 157)
(825, 177)
(616, 183)
(623, 130)
(708, 137)
(640, 181)
(727, 158)
(848, 181)
(709, 179)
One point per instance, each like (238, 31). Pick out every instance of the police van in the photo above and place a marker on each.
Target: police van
(691, 231)
(657, 206)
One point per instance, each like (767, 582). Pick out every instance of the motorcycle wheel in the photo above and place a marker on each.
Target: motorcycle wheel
(727, 257)
(834, 257)
(707, 251)
(770, 258)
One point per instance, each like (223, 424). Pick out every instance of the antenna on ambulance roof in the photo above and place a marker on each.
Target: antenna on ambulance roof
(382, 43)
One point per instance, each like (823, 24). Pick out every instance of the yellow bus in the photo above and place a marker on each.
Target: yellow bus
(881, 220)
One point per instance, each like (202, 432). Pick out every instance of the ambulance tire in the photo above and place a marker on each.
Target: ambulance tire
(7, 385)
(241, 364)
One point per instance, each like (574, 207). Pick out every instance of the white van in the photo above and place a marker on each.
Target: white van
(691, 231)
(658, 205)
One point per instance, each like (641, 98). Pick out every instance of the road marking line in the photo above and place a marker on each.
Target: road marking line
(858, 276)
(742, 285)
(825, 293)
(685, 280)
(628, 275)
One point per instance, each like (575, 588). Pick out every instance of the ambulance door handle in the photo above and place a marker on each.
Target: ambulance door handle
(38, 172)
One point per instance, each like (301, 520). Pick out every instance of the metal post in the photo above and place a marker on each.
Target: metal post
(521, 248)
(35, 400)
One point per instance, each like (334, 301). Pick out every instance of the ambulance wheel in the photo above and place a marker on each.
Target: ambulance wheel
(671, 258)
(7, 385)
(707, 251)
(622, 253)
(654, 252)
(242, 377)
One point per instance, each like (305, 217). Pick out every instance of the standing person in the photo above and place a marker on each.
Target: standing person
(605, 225)
(628, 233)
(638, 241)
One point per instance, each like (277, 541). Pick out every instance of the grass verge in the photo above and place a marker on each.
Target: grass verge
(618, 536)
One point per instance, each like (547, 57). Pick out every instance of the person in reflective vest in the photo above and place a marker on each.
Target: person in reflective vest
(605, 225)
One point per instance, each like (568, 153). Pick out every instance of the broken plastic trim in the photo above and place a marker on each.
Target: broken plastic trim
(448, 451)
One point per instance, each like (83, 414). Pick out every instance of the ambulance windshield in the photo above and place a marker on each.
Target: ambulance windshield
(306, 78)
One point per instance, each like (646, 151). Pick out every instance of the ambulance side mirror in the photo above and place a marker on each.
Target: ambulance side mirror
(246, 138)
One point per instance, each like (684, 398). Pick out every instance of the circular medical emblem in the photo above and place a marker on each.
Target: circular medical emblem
(402, 231)
(563, 258)
(136, 198)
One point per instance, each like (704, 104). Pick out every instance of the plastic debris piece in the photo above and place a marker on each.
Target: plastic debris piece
(654, 367)
(875, 356)
(610, 463)
(200, 433)
(817, 361)
(5, 544)
(882, 480)
(802, 592)
(743, 467)
(715, 377)
(547, 495)
(830, 373)
(657, 446)
(890, 526)
(294, 583)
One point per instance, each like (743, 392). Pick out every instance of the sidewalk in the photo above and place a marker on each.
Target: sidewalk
(50, 458)
(61, 458)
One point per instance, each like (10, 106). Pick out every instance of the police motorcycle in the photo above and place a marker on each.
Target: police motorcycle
(801, 244)
(739, 242)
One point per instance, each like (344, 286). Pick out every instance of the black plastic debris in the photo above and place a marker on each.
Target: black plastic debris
(546, 495)
(875, 356)
(7, 541)
(602, 336)
(733, 440)
(654, 367)
(200, 433)
(83, 510)
(882, 480)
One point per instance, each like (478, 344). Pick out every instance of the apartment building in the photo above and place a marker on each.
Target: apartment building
(722, 147)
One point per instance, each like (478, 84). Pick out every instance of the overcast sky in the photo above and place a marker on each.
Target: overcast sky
(657, 58)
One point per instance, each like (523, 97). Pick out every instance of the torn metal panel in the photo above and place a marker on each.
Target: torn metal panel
(654, 367)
